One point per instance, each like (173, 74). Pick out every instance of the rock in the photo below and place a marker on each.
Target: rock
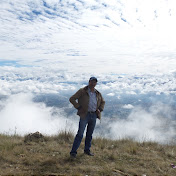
(34, 137)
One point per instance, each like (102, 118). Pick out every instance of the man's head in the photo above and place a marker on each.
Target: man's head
(92, 82)
(93, 79)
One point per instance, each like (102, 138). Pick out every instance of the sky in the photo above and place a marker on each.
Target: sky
(54, 46)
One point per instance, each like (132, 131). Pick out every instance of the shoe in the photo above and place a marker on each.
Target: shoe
(72, 155)
(88, 153)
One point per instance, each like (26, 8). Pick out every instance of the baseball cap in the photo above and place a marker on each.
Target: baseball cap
(93, 78)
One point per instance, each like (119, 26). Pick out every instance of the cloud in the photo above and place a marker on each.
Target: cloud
(144, 126)
(128, 106)
(111, 94)
(51, 80)
(118, 35)
(21, 115)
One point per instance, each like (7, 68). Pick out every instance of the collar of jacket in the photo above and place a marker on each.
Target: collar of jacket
(86, 89)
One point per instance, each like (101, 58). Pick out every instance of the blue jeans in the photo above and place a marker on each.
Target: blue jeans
(90, 121)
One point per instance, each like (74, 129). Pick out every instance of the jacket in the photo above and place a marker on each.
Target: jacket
(80, 101)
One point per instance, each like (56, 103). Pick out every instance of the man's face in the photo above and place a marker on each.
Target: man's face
(92, 83)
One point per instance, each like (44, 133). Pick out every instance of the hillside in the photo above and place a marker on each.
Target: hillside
(43, 155)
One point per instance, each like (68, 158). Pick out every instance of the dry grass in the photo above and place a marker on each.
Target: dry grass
(51, 157)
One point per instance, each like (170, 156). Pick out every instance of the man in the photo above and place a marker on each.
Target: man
(89, 103)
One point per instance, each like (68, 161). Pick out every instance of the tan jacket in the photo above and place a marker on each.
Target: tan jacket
(80, 101)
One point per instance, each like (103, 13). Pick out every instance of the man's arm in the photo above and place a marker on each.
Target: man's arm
(75, 97)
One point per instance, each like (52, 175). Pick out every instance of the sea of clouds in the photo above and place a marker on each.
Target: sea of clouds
(50, 48)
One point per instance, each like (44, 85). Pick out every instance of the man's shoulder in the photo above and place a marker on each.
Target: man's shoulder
(83, 89)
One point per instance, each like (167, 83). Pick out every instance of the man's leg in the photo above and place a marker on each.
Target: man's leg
(79, 136)
(90, 130)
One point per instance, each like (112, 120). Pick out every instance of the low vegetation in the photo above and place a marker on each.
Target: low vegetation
(50, 156)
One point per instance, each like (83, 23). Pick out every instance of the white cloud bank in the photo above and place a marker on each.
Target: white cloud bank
(144, 126)
(51, 80)
(20, 115)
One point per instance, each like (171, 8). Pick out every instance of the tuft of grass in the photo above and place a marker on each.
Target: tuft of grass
(7, 143)
(112, 157)
(132, 148)
(63, 137)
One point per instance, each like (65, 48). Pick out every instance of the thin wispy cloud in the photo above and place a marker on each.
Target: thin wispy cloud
(114, 31)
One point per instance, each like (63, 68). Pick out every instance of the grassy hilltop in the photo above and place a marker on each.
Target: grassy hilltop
(50, 156)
